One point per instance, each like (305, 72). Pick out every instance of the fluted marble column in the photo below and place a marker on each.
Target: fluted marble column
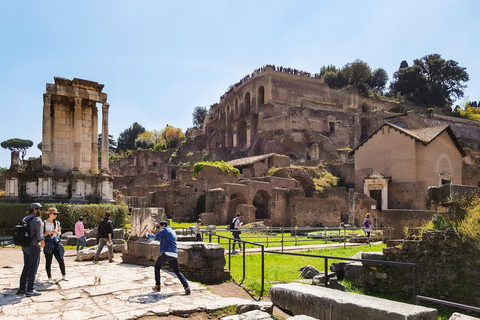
(47, 131)
(77, 134)
(105, 138)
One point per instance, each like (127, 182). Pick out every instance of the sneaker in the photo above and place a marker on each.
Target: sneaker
(64, 278)
(156, 288)
(188, 291)
(95, 261)
(21, 292)
(111, 261)
(32, 293)
(50, 280)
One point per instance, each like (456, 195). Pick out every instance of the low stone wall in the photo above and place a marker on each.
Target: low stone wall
(325, 303)
(398, 219)
(448, 268)
(199, 261)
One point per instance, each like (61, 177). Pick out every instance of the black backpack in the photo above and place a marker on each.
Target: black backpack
(232, 225)
(21, 234)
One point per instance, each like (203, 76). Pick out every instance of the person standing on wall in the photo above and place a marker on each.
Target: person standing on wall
(31, 253)
(198, 231)
(168, 253)
(236, 231)
(104, 236)
(53, 247)
(80, 234)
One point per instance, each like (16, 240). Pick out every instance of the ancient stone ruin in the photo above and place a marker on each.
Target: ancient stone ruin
(68, 170)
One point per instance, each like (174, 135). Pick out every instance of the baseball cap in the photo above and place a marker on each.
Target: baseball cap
(35, 205)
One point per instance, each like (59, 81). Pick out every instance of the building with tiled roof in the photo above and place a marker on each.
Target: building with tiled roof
(395, 165)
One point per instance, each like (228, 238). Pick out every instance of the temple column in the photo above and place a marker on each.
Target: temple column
(248, 137)
(77, 134)
(47, 130)
(105, 138)
(94, 161)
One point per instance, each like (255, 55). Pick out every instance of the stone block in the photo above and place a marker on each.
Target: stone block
(89, 253)
(325, 303)
(459, 316)
(251, 315)
(142, 219)
(118, 233)
(354, 272)
(186, 238)
(91, 233)
(66, 234)
(118, 241)
(71, 240)
(302, 317)
(91, 242)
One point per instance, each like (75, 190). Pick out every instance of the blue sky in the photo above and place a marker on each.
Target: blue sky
(159, 60)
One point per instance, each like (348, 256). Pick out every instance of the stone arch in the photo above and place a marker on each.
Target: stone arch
(306, 182)
(234, 201)
(173, 174)
(365, 128)
(236, 108)
(247, 103)
(230, 130)
(444, 168)
(260, 202)
(242, 134)
(261, 96)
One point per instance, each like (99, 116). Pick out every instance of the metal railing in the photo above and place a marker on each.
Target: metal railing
(299, 235)
(415, 298)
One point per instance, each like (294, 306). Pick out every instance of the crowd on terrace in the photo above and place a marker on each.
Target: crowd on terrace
(275, 68)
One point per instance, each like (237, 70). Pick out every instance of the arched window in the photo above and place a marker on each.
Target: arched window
(247, 104)
(242, 134)
(173, 174)
(261, 95)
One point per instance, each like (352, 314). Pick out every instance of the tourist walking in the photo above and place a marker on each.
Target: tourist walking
(168, 253)
(104, 236)
(53, 246)
(31, 253)
(367, 225)
(80, 234)
(198, 231)
(236, 231)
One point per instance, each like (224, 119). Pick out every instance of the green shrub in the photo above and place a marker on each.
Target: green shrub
(12, 213)
(223, 166)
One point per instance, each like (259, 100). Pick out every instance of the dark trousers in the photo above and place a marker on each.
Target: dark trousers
(236, 235)
(173, 263)
(31, 258)
(48, 262)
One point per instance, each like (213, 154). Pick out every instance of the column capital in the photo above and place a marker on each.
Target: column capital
(78, 102)
(47, 99)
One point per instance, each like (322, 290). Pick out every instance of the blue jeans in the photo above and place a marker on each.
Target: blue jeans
(31, 259)
(173, 263)
(81, 242)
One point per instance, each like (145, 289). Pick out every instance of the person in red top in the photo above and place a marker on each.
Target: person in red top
(80, 234)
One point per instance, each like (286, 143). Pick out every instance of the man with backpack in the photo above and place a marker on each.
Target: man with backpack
(31, 252)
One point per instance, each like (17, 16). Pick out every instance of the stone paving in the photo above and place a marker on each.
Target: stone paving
(105, 291)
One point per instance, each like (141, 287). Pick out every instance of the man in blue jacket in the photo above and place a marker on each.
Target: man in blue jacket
(168, 253)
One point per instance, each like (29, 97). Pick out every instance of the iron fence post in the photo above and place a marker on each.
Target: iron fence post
(263, 271)
(326, 272)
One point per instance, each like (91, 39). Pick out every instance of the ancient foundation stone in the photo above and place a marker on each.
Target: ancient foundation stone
(199, 261)
(325, 303)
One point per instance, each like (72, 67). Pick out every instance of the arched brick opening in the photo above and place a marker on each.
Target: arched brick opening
(235, 200)
(261, 96)
(242, 134)
(261, 201)
(247, 104)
